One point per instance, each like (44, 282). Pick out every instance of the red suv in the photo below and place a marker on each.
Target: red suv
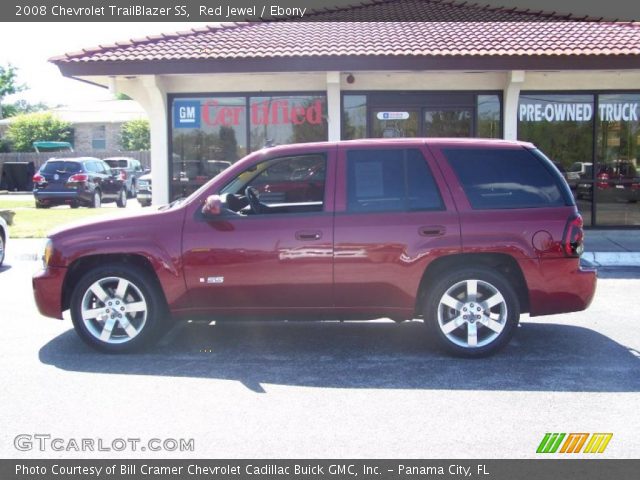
(464, 234)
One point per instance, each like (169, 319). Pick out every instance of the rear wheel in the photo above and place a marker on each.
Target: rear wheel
(74, 205)
(41, 205)
(1, 249)
(96, 199)
(121, 202)
(472, 312)
(117, 309)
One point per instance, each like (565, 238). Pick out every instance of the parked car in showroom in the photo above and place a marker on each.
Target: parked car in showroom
(465, 234)
(82, 181)
(4, 238)
(578, 171)
(144, 190)
(616, 182)
(131, 170)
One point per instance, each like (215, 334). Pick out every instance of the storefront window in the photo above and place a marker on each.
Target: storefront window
(287, 119)
(450, 122)
(617, 181)
(209, 134)
(354, 117)
(561, 125)
(488, 121)
(394, 124)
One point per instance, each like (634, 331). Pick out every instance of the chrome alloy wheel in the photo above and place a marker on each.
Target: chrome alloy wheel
(114, 310)
(472, 313)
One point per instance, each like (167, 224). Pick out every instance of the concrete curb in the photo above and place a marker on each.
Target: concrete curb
(612, 259)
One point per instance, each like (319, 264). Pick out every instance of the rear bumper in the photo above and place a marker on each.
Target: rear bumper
(558, 285)
(47, 291)
(62, 197)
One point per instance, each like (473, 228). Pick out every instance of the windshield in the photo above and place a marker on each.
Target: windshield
(59, 166)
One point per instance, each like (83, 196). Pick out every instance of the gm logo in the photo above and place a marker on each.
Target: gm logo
(574, 443)
(186, 114)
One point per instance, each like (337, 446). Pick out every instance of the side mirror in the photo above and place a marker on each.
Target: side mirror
(212, 206)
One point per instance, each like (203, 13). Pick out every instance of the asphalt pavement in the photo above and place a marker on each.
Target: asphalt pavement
(336, 390)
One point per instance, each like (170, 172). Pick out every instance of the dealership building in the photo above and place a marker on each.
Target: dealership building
(214, 94)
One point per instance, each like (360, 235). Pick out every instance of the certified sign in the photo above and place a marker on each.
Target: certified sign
(392, 115)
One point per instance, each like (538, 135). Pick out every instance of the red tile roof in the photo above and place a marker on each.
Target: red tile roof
(461, 31)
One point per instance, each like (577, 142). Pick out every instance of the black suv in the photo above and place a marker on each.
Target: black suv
(78, 181)
(131, 170)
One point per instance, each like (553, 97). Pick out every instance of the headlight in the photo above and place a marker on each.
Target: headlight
(48, 251)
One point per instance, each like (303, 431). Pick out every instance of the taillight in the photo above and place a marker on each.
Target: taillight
(573, 241)
(78, 177)
(603, 180)
(37, 178)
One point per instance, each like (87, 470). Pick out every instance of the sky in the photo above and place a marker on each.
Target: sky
(30, 53)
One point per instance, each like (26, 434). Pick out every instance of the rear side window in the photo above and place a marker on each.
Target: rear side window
(505, 178)
(59, 166)
(387, 180)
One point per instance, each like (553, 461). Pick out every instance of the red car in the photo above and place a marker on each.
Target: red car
(465, 234)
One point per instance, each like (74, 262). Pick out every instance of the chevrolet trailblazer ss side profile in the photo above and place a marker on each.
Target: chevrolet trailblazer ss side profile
(465, 234)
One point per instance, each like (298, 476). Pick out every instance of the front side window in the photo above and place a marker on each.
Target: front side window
(388, 180)
(282, 185)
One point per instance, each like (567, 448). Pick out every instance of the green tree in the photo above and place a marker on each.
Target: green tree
(135, 135)
(43, 126)
(21, 107)
(8, 85)
(228, 144)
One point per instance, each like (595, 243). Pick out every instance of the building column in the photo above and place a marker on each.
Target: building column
(515, 79)
(333, 106)
(149, 92)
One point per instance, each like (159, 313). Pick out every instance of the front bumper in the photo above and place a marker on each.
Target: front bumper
(47, 291)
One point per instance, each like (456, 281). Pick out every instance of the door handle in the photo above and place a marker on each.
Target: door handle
(432, 230)
(308, 235)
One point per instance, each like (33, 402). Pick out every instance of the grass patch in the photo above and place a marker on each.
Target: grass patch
(32, 223)
(9, 203)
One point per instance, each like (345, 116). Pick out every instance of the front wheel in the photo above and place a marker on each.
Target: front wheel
(117, 309)
(472, 312)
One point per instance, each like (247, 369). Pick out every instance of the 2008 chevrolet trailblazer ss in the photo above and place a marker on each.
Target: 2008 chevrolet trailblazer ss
(465, 234)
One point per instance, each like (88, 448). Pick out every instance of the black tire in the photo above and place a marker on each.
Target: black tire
(505, 315)
(121, 201)
(144, 204)
(41, 205)
(2, 247)
(146, 288)
(74, 204)
(96, 199)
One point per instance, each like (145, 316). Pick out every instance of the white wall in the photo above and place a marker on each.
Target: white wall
(151, 92)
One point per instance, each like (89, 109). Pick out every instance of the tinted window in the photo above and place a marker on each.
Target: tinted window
(59, 166)
(117, 163)
(384, 180)
(501, 178)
